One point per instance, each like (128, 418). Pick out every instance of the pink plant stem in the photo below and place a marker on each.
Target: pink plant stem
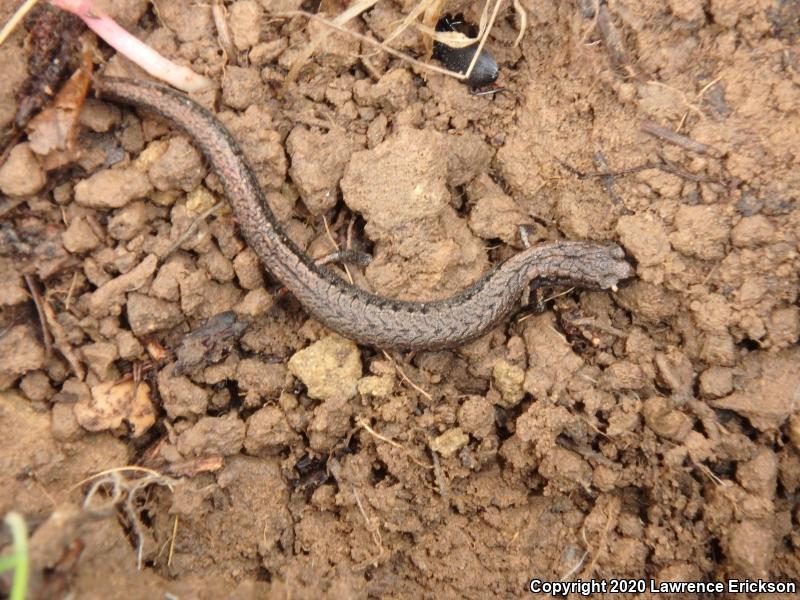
(134, 49)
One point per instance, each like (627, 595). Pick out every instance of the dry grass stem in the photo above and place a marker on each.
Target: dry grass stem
(349, 14)
(373, 42)
(123, 493)
(219, 14)
(364, 425)
(172, 542)
(16, 18)
(405, 378)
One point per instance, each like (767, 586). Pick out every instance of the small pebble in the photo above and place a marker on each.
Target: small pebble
(329, 368)
(21, 175)
(112, 188)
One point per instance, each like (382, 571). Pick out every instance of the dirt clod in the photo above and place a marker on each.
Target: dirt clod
(36, 386)
(213, 436)
(645, 238)
(426, 260)
(450, 442)
(248, 270)
(128, 221)
(476, 417)
(181, 397)
(79, 237)
(111, 293)
(750, 546)
(565, 470)
(260, 380)
(329, 368)
(20, 352)
(100, 357)
(209, 343)
(21, 174)
(759, 474)
(509, 379)
(716, 382)
(179, 167)
(147, 315)
(65, 426)
(318, 161)
(378, 386)
(700, 231)
(665, 421)
(112, 188)
(268, 432)
(552, 361)
(775, 381)
(497, 216)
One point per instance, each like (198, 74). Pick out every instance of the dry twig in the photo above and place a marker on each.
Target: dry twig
(37, 300)
(672, 137)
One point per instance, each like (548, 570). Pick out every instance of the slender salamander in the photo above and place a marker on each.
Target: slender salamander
(355, 313)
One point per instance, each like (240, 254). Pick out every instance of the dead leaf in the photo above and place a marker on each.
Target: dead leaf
(112, 403)
(53, 132)
(142, 415)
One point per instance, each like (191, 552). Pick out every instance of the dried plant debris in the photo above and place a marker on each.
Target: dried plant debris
(54, 53)
(53, 132)
(484, 72)
(210, 343)
(114, 403)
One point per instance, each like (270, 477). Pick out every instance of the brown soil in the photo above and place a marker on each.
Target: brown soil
(653, 432)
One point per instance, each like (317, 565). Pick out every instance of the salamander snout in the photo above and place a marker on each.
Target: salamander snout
(614, 269)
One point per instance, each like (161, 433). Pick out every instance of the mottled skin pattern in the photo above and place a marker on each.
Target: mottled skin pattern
(354, 313)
